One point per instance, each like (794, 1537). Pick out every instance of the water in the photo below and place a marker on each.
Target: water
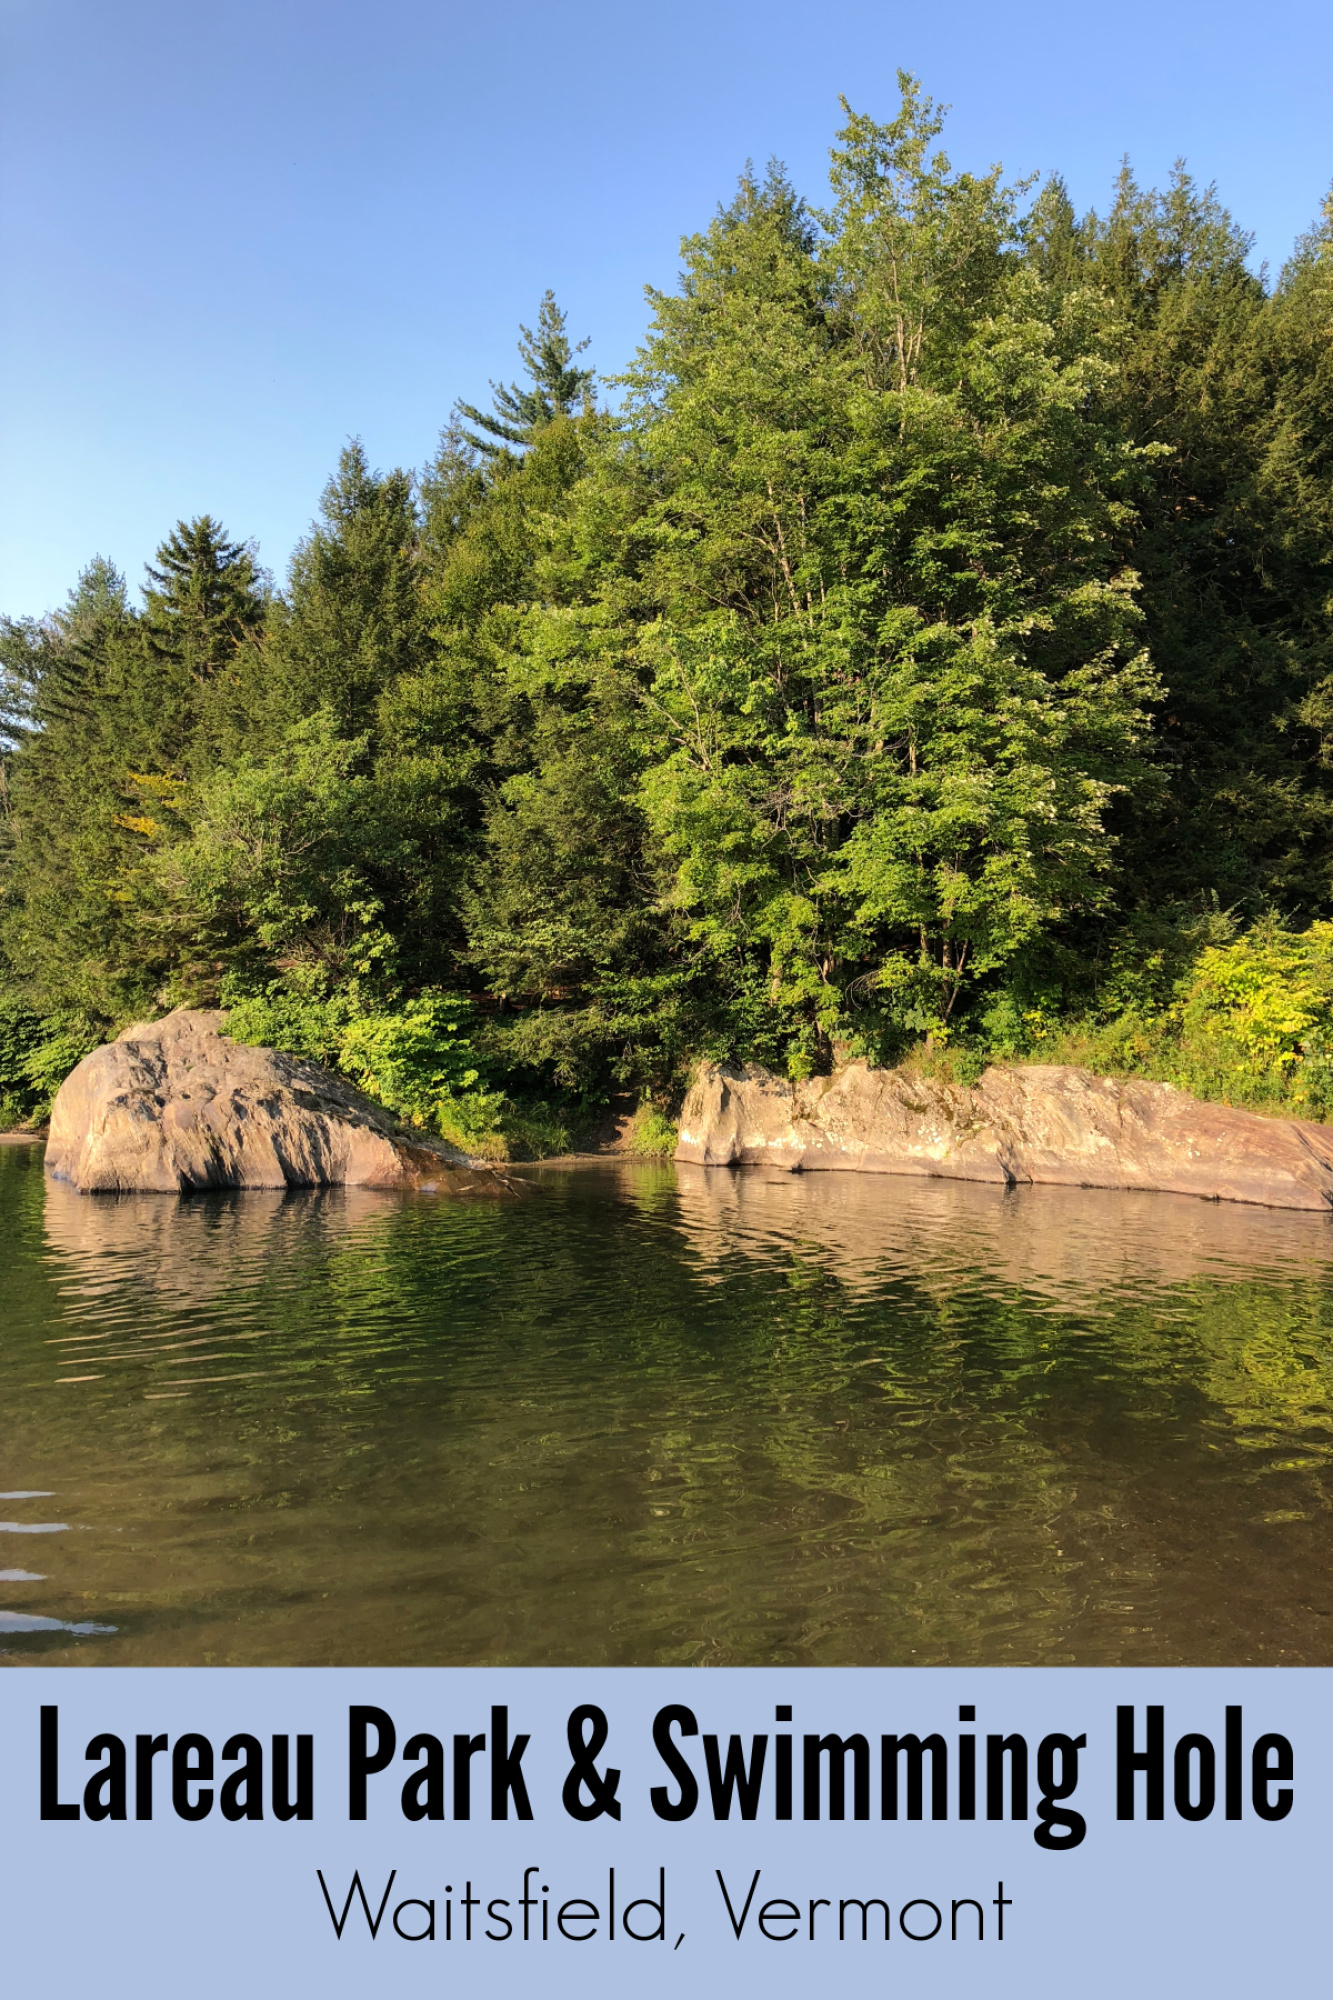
(654, 1414)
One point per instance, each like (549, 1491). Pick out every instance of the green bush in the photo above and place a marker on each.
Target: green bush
(652, 1135)
(419, 1058)
(1249, 1023)
(37, 1053)
(285, 1017)
(416, 1058)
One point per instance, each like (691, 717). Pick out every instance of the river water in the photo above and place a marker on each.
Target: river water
(648, 1414)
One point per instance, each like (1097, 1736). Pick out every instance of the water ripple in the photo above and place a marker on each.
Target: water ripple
(649, 1414)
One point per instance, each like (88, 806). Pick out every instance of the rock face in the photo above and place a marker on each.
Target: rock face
(1045, 1124)
(172, 1105)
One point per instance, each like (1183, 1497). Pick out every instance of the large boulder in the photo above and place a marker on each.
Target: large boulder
(1046, 1124)
(172, 1105)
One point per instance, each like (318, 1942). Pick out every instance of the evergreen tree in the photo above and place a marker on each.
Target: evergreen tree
(203, 598)
(98, 596)
(71, 844)
(25, 644)
(1233, 586)
(558, 388)
(452, 487)
(355, 619)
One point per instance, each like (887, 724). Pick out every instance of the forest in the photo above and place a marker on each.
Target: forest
(922, 652)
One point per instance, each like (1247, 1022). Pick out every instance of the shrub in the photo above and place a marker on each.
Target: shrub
(651, 1134)
(37, 1053)
(1249, 1023)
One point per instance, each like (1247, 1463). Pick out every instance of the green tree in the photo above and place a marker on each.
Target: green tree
(276, 872)
(93, 717)
(558, 388)
(1225, 385)
(897, 671)
(354, 620)
(202, 600)
(939, 637)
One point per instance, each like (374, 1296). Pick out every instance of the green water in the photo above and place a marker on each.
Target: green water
(646, 1414)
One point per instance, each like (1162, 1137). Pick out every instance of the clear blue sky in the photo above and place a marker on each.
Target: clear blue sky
(236, 232)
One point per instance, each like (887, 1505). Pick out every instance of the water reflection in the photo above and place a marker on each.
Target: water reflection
(1090, 1245)
(669, 1414)
(193, 1249)
(17, 1621)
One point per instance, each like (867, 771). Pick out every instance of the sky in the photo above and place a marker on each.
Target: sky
(234, 234)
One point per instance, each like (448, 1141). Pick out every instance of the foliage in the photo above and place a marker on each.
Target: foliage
(559, 389)
(422, 1058)
(931, 655)
(1250, 1023)
(414, 1057)
(897, 674)
(36, 1055)
(202, 599)
(1270, 992)
(417, 1059)
(651, 1134)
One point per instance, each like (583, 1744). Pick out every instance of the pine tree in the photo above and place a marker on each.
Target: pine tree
(559, 389)
(1054, 240)
(95, 716)
(356, 621)
(25, 645)
(204, 598)
(99, 594)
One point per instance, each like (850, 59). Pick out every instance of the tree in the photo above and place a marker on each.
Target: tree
(559, 389)
(43, 654)
(355, 619)
(896, 677)
(1217, 381)
(26, 645)
(942, 623)
(277, 870)
(203, 598)
(93, 716)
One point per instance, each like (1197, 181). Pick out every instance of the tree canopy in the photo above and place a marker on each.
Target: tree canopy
(930, 633)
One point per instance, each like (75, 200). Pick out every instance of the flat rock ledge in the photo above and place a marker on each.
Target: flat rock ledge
(1039, 1124)
(173, 1105)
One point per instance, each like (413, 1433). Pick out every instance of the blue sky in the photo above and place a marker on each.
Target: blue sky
(235, 234)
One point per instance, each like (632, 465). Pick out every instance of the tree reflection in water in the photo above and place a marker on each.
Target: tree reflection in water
(657, 1414)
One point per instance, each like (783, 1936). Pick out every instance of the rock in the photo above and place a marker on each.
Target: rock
(1038, 1124)
(172, 1105)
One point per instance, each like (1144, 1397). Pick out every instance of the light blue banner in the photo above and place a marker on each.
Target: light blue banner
(932, 1831)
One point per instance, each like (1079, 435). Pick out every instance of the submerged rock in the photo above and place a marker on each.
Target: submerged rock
(1038, 1124)
(172, 1105)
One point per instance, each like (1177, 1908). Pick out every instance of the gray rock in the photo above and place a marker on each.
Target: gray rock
(1037, 1124)
(172, 1105)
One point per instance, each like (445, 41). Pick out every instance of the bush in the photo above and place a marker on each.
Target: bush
(37, 1053)
(419, 1058)
(651, 1135)
(282, 1017)
(419, 1061)
(1250, 1023)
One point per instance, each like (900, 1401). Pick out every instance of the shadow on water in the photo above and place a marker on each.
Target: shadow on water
(658, 1414)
